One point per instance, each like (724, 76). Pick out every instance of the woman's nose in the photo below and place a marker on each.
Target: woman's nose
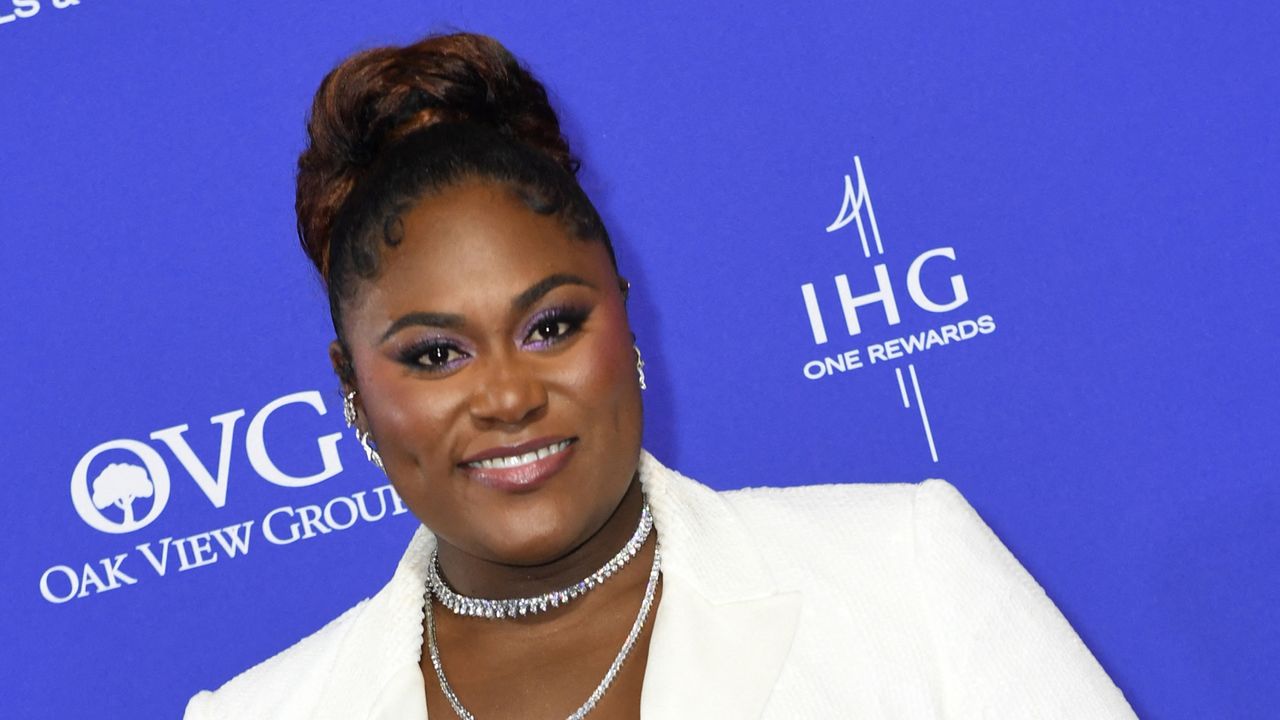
(509, 392)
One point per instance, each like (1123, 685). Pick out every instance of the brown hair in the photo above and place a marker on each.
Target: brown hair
(392, 124)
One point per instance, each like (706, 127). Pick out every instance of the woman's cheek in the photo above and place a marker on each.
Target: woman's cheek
(614, 358)
(412, 431)
(598, 374)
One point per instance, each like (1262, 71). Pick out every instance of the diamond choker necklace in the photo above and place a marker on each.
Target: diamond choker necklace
(516, 607)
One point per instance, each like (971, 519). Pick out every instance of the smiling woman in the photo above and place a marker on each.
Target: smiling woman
(488, 366)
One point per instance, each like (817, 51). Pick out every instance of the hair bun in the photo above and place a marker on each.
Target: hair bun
(376, 97)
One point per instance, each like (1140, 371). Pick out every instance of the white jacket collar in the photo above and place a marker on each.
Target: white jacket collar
(722, 630)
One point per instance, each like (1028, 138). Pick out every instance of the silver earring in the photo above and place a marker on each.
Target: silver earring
(639, 366)
(349, 408)
(349, 414)
(369, 451)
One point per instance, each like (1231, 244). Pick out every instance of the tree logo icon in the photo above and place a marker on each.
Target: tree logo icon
(107, 503)
(119, 484)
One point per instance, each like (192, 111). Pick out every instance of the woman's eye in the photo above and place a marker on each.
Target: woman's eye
(549, 330)
(555, 326)
(436, 357)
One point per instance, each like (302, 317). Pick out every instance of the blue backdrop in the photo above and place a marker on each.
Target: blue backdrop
(1078, 201)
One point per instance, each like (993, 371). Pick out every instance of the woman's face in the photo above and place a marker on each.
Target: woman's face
(492, 331)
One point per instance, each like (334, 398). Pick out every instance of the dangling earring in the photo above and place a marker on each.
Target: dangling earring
(349, 408)
(349, 414)
(369, 450)
(639, 366)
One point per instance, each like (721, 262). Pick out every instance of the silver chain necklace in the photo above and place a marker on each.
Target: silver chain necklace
(645, 606)
(516, 607)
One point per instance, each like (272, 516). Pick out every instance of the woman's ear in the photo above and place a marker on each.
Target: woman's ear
(342, 367)
(625, 286)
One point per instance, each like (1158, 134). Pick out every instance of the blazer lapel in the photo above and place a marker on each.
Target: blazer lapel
(722, 630)
(708, 660)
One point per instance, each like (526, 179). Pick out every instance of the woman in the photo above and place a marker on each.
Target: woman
(487, 365)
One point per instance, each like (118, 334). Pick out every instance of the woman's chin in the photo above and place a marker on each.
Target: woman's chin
(530, 551)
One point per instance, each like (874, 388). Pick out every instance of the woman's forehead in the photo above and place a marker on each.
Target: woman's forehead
(478, 218)
(478, 243)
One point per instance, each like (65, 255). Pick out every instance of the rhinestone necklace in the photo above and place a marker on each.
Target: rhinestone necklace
(645, 606)
(515, 607)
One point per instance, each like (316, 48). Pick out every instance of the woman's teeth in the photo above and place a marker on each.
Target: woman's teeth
(518, 460)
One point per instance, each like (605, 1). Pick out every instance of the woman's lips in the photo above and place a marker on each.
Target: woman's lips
(522, 473)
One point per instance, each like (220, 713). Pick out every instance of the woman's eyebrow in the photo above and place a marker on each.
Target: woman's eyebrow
(524, 300)
(447, 321)
(520, 303)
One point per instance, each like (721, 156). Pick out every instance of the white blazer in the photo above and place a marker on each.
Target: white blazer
(827, 601)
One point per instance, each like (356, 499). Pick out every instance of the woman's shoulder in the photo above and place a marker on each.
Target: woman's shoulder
(880, 520)
(913, 567)
(887, 533)
(869, 509)
(339, 670)
(283, 685)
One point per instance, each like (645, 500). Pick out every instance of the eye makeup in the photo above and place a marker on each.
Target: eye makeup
(555, 324)
(433, 354)
(546, 329)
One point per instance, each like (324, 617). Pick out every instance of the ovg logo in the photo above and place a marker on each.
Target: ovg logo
(119, 485)
(123, 485)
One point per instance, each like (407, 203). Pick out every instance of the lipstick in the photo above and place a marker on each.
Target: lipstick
(520, 468)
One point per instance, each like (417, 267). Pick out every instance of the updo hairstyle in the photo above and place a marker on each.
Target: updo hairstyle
(393, 125)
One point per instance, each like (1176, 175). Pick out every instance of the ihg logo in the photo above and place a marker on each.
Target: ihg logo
(105, 496)
(856, 203)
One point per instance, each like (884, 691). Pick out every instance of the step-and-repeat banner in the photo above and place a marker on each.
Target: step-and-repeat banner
(1031, 249)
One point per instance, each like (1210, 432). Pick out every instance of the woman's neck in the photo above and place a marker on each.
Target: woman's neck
(476, 577)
